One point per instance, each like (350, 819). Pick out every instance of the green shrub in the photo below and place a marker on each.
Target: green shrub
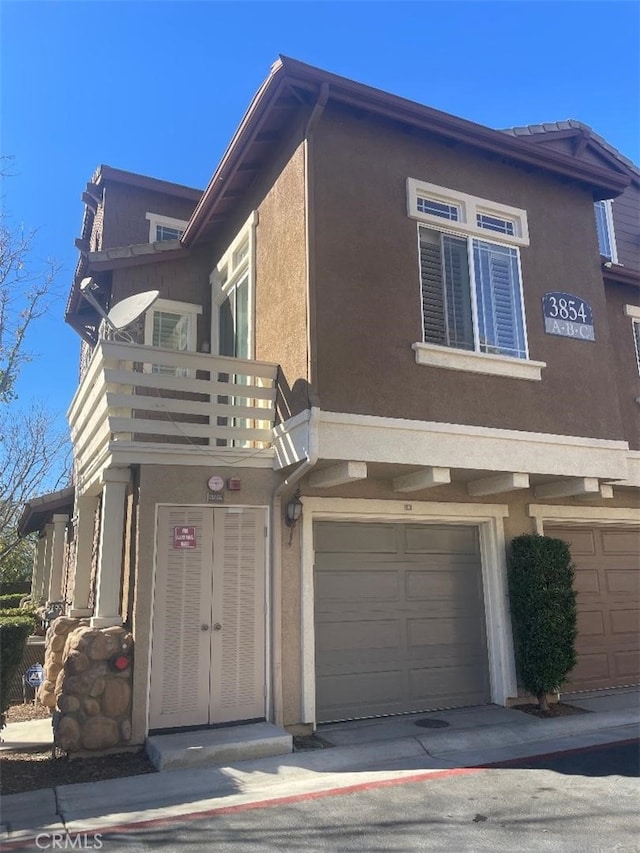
(13, 600)
(543, 613)
(14, 587)
(13, 639)
(17, 612)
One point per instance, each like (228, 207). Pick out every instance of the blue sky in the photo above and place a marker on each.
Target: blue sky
(159, 87)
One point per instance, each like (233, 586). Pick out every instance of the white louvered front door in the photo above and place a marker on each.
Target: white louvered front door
(208, 646)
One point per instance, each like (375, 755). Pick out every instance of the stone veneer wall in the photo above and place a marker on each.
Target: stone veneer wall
(93, 700)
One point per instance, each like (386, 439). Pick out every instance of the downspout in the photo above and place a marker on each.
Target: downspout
(313, 448)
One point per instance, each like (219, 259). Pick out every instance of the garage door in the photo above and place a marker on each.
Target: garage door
(399, 619)
(608, 582)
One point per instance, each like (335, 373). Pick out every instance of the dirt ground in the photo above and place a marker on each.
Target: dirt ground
(28, 771)
(558, 709)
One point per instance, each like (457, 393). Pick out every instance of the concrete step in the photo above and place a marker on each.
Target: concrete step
(216, 747)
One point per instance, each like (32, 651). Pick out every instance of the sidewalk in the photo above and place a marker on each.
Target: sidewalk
(368, 751)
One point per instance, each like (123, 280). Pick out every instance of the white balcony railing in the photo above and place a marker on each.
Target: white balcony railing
(137, 400)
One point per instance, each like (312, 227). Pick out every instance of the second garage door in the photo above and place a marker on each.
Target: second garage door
(607, 561)
(399, 619)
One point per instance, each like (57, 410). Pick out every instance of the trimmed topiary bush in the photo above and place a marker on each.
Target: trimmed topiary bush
(543, 613)
(13, 638)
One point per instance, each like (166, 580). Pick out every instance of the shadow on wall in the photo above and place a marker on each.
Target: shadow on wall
(291, 401)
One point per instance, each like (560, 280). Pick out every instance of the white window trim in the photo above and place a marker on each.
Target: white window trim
(608, 212)
(156, 219)
(227, 274)
(633, 311)
(469, 206)
(489, 518)
(450, 358)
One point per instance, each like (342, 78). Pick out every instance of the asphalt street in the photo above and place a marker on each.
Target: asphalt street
(584, 801)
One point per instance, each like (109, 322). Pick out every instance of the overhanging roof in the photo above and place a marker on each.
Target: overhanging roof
(38, 511)
(292, 84)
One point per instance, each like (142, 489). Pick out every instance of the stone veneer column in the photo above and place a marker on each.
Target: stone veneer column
(57, 557)
(47, 560)
(37, 578)
(87, 505)
(109, 574)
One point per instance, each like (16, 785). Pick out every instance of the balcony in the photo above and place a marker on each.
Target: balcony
(138, 404)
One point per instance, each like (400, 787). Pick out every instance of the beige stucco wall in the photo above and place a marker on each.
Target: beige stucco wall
(170, 484)
(281, 304)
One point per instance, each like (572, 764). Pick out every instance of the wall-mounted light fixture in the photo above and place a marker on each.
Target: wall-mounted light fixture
(293, 513)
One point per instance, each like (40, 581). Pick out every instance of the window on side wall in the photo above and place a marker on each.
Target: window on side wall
(233, 296)
(633, 311)
(604, 226)
(172, 325)
(163, 228)
(470, 282)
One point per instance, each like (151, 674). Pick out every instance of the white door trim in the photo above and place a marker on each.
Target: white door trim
(267, 593)
(545, 513)
(489, 518)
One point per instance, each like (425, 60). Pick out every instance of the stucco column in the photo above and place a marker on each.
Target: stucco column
(37, 578)
(59, 524)
(86, 508)
(47, 560)
(109, 575)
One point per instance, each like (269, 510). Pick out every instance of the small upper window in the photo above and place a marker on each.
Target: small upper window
(495, 223)
(604, 227)
(438, 208)
(163, 228)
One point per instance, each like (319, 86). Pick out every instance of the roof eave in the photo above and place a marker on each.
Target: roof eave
(604, 182)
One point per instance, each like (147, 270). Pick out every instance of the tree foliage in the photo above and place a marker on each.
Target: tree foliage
(543, 612)
(17, 563)
(26, 293)
(33, 452)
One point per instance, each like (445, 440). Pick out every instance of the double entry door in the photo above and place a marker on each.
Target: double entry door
(208, 644)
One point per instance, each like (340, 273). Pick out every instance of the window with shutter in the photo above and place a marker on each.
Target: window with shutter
(171, 325)
(462, 278)
(636, 337)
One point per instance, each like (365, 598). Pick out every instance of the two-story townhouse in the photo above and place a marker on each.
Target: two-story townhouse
(392, 323)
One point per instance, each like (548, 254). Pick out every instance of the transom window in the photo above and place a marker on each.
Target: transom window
(438, 208)
(495, 223)
(604, 226)
(163, 228)
(468, 214)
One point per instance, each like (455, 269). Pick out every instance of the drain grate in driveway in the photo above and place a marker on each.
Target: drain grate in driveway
(429, 723)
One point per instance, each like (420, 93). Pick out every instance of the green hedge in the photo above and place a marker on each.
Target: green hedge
(543, 613)
(17, 612)
(13, 639)
(10, 601)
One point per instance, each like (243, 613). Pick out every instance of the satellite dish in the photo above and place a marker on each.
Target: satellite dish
(127, 311)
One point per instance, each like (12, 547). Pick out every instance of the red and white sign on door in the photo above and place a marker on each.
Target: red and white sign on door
(184, 537)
